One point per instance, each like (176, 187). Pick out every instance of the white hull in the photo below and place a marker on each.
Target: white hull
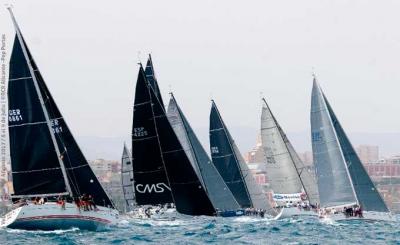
(50, 216)
(295, 212)
(368, 216)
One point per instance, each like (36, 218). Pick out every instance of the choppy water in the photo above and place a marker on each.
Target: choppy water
(198, 230)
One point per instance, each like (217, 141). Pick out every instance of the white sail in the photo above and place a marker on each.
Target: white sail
(127, 179)
(280, 167)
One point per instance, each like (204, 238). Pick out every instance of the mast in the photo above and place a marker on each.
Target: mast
(46, 115)
(337, 139)
(286, 146)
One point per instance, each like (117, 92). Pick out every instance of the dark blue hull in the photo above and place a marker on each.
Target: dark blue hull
(58, 224)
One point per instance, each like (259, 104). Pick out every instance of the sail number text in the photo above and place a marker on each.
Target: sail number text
(14, 115)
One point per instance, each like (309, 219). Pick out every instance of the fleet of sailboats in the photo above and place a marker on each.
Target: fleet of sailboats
(167, 166)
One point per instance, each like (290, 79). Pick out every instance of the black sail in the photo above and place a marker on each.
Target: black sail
(34, 163)
(188, 193)
(151, 78)
(223, 157)
(151, 184)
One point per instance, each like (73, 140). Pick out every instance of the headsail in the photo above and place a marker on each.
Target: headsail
(218, 192)
(25, 100)
(285, 170)
(188, 193)
(127, 179)
(230, 164)
(334, 184)
(151, 183)
(367, 194)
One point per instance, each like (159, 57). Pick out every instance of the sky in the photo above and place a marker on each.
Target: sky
(231, 51)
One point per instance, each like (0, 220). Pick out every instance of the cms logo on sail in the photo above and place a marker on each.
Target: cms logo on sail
(150, 188)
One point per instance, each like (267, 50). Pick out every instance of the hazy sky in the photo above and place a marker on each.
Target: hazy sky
(228, 50)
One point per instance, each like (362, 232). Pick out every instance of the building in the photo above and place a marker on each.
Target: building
(368, 153)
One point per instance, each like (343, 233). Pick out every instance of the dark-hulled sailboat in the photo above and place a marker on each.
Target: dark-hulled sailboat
(155, 136)
(219, 193)
(230, 164)
(127, 180)
(46, 161)
(341, 177)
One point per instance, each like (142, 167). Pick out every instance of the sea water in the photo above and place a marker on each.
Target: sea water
(199, 230)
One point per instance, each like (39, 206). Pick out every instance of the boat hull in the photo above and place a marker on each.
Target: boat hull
(51, 216)
(367, 216)
(289, 212)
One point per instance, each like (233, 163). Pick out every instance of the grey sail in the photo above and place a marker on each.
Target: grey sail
(217, 190)
(334, 184)
(367, 194)
(127, 179)
(280, 168)
(285, 170)
(177, 123)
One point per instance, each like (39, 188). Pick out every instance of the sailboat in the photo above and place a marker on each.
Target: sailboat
(294, 187)
(151, 182)
(219, 193)
(231, 166)
(46, 161)
(343, 182)
(159, 145)
(127, 180)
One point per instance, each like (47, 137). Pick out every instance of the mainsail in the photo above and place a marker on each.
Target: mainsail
(230, 164)
(187, 191)
(52, 162)
(127, 179)
(285, 170)
(218, 192)
(367, 194)
(151, 183)
(334, 184)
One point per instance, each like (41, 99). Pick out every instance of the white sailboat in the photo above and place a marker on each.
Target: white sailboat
(293, 185)
(345, 189)
(46, 161)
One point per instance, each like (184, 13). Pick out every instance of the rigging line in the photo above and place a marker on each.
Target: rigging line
(20, 78)
(33, 171)
(27, 124)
